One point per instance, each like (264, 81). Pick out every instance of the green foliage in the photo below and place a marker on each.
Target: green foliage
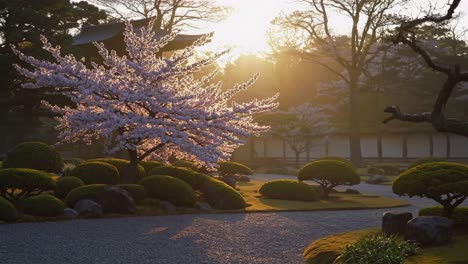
(95, 172)
(193, 178)
(17, 184)
(150, 164)
(222, 196)
(459, 216)
(229, 167)
(170, 189)
(288, 190)
(43, 205)
(66, 184)
(8, 211)
(384, 169)
(122, 166)
(137, 191)
(186, 164)
(75, 161)
(90, 192)
(329, 174)
(378, 250)
(425, 160)
(68, 169)
(444, 182)
(34, 155)
(340, 159)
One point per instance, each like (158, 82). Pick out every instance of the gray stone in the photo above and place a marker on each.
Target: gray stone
(69, 213)
(116, 200)
(230, 181)
(429, 230)
(168, 206)
(376, 179)
(352, 191)
(88, 208)
(394, 223)
(205, 207)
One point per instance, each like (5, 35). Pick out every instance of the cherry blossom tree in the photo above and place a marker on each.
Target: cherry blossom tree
(147, 105)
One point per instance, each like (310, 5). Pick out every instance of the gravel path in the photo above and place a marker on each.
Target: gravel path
(273, 238)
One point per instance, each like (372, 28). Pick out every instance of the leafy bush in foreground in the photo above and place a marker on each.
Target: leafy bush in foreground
(66, 184)
(170, 189)
(95, 172)
(288, 190)
(43, 205)
(18, 184)
(34, 155)
(378, 250)
(8, 211)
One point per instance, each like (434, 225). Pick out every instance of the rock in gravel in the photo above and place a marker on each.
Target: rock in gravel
(376, 179)
(394, 223)
(429, 230)
(229, 181)
(168, 206)
(69, 213)
(205, 207)
(116, 200)
(352, 191)
(88, 208)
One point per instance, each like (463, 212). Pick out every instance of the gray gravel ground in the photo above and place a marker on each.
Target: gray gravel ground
(273, 238)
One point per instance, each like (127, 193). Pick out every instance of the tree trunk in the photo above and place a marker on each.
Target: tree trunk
(379, 147)
(405, 147)
(284, 149)
(448, 149)
(326, 192)
(354, 128)
(131, 172)
(297, 157)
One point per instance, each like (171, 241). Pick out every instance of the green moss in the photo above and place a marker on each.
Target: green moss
(66, 184)
(8, 211)
(43, 205)
(288, 190)
(137, 191)
(229, 167)
(22, 183)
(95, 172)
(34, 155)
(168, 188)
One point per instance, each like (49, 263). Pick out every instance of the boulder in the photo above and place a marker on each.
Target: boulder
(116, 200)
(230, 181)
(352, 191)
(205, 207)
(88, 208)
(429, 230)
(376, 179)
(69, 213)
(394, 223)
(168, 206)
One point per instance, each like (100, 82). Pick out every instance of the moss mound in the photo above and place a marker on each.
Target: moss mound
(289, 190)
(95, 172)
(137, 191)
(168, 188)
(122, 166)
(425, 160)
(90, 192)
(340, 159)
(185, 164)
(222, 196)
(193, 178)
(34, 155)
(43, 205)
(148, 165)
(229, 168)
(8, 211)
(67, 184)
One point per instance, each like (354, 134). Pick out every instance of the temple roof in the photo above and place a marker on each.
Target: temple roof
(103, 32)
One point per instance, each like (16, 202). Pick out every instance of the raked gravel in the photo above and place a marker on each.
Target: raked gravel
(273, 238)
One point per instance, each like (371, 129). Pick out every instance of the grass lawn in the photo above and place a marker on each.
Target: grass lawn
(337, 201)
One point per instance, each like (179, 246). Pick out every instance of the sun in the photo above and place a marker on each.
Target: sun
(245, 30)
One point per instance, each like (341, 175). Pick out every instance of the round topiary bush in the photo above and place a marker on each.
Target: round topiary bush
(18, 184)
(34, 155)
(340, 159)
(168, 188)
(443, 182)
(8, 211)
(122, 167)
(90, 192)
(329, 174)
(43, 205)
(137, 191)
(185, 164)
(222, 196)
(425, 160)
(193, 178)
(229, 168)
(150, 164)
(95, 172)
(66, 184)
(288, 190)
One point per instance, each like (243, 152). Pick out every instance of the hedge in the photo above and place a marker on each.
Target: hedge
(34, 155)
(425, 160)
(186, 164)
(95, 172)
(193, 178)
(137, 191)
(222, 196)
(43, 205)
(122, 165)
(66, 184)
(459, 217)
(18, 183)
(288, 190)
(168, 188)
(229, 167)
(8, 211)
(336, 158)
(90, 192)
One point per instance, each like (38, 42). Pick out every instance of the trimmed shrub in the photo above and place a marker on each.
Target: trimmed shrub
(18, 183)
(185, 164)
(170, 189)
(288, 190)
(229, 168)
(336, 158)
(95, 172)
(66, 184)
(137, 191)
(75, 161)
(150, 164)
(459, 216)
(193, 178)
(34, 155)
(43, 205)
(222, 196)
(425, 160)
(378, 250)
(8, 211)
(122, 166)
(443, 182)
(90, 192)
(329, 174)
(384, 169)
